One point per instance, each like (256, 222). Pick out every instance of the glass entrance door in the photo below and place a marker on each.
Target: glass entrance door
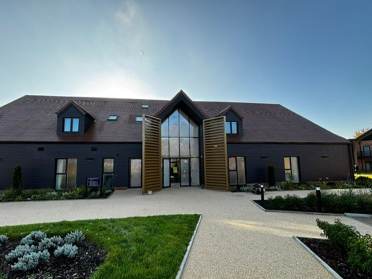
(178, 172)
(175, 172)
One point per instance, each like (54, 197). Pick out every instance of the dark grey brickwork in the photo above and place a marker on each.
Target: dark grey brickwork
(38, 167)
(316, 160)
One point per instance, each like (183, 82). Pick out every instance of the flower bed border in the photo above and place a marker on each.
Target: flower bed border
(347, 214)
(323, 263)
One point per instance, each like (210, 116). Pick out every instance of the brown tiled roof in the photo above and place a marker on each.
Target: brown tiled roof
(34, 119)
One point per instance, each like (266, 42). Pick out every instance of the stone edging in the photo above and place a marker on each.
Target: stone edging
(186, 256)
(323, 263)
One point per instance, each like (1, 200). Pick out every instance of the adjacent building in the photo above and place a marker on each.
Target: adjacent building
(362, 146)
(64, 142)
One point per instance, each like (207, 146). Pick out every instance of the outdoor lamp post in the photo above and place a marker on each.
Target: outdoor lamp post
(318, 199)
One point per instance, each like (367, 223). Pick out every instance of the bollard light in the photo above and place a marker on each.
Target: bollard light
(318, 199)
(262, 193)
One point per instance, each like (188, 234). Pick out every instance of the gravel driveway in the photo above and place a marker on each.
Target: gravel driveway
(235, 239)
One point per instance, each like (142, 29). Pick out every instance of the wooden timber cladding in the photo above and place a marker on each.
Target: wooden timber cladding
(215, 154)
(151, 154)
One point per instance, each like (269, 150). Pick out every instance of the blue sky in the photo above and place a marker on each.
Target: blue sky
(314, 57)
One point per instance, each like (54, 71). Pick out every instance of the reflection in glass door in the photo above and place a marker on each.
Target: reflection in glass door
(236, 171)
(166, 169)
(185, 172)
(135, 173)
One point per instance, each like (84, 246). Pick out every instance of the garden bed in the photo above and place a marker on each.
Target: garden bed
(89, 257)
(333, 257)
(339, 203)
(50, 194)
(138, 247)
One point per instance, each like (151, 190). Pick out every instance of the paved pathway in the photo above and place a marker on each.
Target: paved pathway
(235, 240)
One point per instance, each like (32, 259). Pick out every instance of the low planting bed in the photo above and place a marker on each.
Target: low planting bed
(360, 182)
(138, 247)
(40, 256)
(345, 250)
(345, 202)
(50, 194)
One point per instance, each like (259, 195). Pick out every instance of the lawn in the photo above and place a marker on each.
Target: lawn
(138, 247)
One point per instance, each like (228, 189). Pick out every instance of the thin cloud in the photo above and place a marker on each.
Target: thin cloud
(127, 14)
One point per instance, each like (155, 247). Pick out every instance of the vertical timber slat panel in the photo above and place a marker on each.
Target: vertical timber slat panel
(151, 154)
(215, 154)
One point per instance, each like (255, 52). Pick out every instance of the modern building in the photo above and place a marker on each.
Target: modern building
(64, 142)
(362, 146)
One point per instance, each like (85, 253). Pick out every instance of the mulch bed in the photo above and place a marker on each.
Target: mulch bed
(267, 206)
(334, 258)
(82, 266)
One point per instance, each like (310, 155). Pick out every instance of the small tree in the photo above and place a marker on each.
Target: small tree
(17, 180)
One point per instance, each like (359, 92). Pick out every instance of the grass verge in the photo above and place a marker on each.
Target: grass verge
(138, 247)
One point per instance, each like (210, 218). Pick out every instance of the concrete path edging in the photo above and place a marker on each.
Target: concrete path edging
(323, 263)
(186, 256)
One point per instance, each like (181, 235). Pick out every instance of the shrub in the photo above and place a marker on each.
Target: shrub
(66, 250)
(360, 254)
(19, 252)
(347, 201)
(46, 244)
(17, 185)
(338, 233)
(33, 238)
(363, 181)
(74, 237)
(3, 239)
(31, 260)
(285, 203)
(57, 240)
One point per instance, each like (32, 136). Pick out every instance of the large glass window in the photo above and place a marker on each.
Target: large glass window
(180, 140)
(71, 125)
(184, 125)
(184, 147)
(66, 172)
(195, 176)
(165, 147)
(108, 173)
(185, 172)
(135, 173)
(174, 147)
(237, 171)
(291, 169)
(174, 126)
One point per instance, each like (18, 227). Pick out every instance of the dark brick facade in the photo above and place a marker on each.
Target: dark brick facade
(38, 160)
